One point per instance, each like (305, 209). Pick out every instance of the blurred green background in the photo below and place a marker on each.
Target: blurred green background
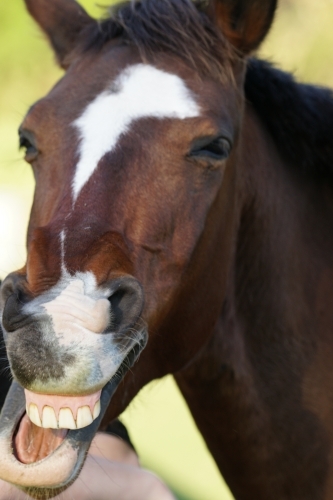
(160, 424)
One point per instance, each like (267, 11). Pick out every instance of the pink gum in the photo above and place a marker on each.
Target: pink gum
(58, 402)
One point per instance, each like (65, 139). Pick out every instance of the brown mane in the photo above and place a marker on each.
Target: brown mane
(178, 27)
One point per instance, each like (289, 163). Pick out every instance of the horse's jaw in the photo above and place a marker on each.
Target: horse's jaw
(46, 476)
(54, 473)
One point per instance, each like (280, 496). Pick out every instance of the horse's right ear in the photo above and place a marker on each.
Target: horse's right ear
(244, 23)
(62, 21)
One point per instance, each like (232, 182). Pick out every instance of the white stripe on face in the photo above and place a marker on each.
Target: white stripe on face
(141, 91)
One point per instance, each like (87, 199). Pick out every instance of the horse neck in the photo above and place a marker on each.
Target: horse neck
(266, 278)
(250, 375)
(271, 255)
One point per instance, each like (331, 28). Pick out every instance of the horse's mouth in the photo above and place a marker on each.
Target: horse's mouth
(47, 420)
(32, 443)
(41, 461)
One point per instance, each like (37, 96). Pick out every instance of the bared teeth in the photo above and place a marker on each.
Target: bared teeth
(65, 419)
(34, 415)
(97, 409)
(84, 417)
(49, 419)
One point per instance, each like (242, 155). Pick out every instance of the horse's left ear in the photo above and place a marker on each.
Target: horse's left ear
(245, 23)
(62, 21)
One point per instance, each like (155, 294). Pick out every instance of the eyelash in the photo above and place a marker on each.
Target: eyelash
(216, 149)
(30, 150)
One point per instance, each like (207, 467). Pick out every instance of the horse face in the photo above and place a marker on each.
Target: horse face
(126, 173)
(134, 162)
(127, 167)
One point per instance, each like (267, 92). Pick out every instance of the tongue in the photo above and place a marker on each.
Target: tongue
(45, 424)
(34, 443)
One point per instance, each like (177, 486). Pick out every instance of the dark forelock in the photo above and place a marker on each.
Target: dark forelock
(178, 27)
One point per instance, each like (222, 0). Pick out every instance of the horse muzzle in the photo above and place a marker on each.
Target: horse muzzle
(67, 360)
(53, 474)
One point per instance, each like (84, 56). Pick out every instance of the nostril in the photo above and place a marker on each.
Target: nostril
(11, 285)
(117, 313)
(12, 300)
(7, 289)
(12, 316)
(126, 301)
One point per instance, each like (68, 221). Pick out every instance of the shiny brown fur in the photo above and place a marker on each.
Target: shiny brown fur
(235, 258)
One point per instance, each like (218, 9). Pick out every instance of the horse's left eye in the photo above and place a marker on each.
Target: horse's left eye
(30, 150)
(218, 148)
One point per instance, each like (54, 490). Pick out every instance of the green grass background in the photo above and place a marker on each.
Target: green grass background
(160, 424)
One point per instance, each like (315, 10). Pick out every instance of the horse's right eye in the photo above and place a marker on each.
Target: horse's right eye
(31, 151)
(217, 148)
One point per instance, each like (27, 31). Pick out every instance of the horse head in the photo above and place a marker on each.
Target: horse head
(134, 153)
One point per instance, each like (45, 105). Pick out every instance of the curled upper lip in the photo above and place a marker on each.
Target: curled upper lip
(67, 460)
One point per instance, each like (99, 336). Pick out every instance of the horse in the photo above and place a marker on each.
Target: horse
(182, 223)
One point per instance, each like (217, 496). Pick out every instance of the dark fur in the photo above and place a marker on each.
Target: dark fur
(5, 374)
(299, 117)
(180, 27)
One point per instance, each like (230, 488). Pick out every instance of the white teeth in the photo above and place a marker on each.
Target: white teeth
(34, 415)
(66, 419)
(84, 417)
(97, 409)
(49, 419)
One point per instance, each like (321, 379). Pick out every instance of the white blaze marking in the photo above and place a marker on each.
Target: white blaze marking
(141, 91)
(62, 252)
